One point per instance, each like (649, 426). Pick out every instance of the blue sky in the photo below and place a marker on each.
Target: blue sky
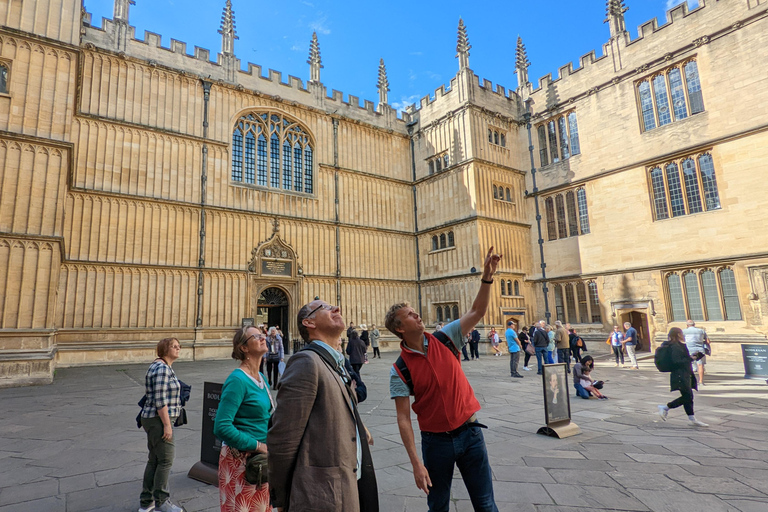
(416, 38)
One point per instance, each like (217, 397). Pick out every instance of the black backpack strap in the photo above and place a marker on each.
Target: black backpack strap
(445, 340)
(405, 373)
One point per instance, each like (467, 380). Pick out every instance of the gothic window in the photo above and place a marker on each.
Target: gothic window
(448, 317)
(496, 138)
(677, 302)
(3, 78)
(445, 161)
(503, 287)
(257, 157)
(551, 223)
(711, 297)
(563, 134)
(581, 298)
(730, 295)
(672, 95)
(455, 311)
(570, 204)
(442, 241)
(508, 196)
(431, 167)
(562, 230)
(542, 131)
(707, 295)
(573, 127)
(675, 196)
(594, 302)
(517, 288)
(490, 135)
(495, 192)
(450, 239)
(570, 305)
(691, 283)
(509, 287)
(559, 309)
(435, 243)
(552, 132)
(438, 165)
(439, 311)
(503, 140)
(581, 195)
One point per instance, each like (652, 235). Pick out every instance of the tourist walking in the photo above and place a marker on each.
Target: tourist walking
(375, 335)
(630, 343)
(158, 414)
(474, 344)
(695, 340)
(356, 351)
(493, 338)
(445, 405)
(616, 340)
(540, 341)
(513, 343)
(673, 356)
(241, 423)
(525, 340)
(275, 354)
(312, 463)
(577, 345)
(563, 345)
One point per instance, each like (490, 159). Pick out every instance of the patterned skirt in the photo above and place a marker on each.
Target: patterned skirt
(235, 494)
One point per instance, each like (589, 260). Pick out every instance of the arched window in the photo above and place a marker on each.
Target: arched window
(438, 165)
(450, 239)
(509, 287)
(662, 100)
(257, 157)
(435, 245)
(3, 78)
(442, 241)
(503, 140)
(508, 196)
(594, 303)
(646, 105)
(676, 300)
(446, 161)
(695, 309)
(570, 304)
(570, 203)
(431, 167)
(581, 298)
(503, 287)
(678, 94)
(711, 297)
(675, 190)
(562, 230)
(659, 194)
(552, 133)
(439, 313)
(495, 192)
(559, 309)
(551, 223)
(542, 131)
(709, 182)
(573, 127)
(517, 288)
(563, 132)
(496, 138)
(730, 295)
(455, 312)
(490, 135)
(448, 314)
(581, 198)
(694, 87)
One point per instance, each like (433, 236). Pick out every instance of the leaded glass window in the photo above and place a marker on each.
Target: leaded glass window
(431, 167)
(570, 204)
(695, 309)
(662, 100)
(678, 94)
(676, 201)
(730, 295)
(570, 305)
(503, 140)
(542, 131)
(517, 288)
(439, 312)
(442, 241)
(495, 192)
(581, 195)
(646, 105)
(509, 198)
(676, 299)
(559, 309)
(711, 297)
(496, 138)
(445, 161)
(694, 87)
(573, 127)
(581, 297)
(490, 135)
(562, 230)
(3, 78)
(434, 243)
(450, 239)
(563, 132)
(551, 130)
(257, 157)
(659, 194)
(455, 312)
(503, 287)
(549, 204)
(594, 302)
(709, 182)
(691, 180)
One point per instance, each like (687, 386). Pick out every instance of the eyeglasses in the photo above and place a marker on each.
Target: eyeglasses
(257, 336)
(326, 307)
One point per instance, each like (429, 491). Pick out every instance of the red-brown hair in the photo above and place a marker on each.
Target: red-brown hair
(164, 346)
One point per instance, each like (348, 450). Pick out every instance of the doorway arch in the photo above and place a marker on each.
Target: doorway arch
(272, 309)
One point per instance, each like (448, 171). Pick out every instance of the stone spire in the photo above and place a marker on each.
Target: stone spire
(227, 30)
(121, 10)
(463, 46)
(521, 64)
(120, 24)
(315, 62)
(614, 15)
(382, 84)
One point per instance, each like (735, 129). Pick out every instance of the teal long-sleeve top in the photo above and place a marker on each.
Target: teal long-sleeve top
(244, 410)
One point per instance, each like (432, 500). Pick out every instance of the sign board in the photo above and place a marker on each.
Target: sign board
(276, 268)
(210, 446)
(247, 322)
(755, 361)
(557, 400)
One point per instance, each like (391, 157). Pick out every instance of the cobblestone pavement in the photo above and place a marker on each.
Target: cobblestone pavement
(73, 446)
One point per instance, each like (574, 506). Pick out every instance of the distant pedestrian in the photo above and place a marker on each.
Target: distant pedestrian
(630, 343)
(241, 423)
(350, 329)
(474, 344)
(563, 347)
(616, 339)
(158, 414)
(275, 354)
(513, 343)
(551, 344)
(493, 338)
(675, 352)
(356, 351)
(577, 345)
(365, 336)
(375, 335)
(695, 340)
(467, 339)
(540, 340)
(525, 340)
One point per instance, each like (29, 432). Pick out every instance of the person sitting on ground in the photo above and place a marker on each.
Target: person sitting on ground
(583, 382)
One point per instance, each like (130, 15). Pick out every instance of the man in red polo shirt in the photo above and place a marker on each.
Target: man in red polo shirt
(444, 402)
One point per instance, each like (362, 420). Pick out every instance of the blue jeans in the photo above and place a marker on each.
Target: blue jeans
(580, 391)
(564, 356)
(467, 451)
(541, 353)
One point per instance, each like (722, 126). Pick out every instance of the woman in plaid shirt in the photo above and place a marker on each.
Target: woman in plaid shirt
(157, 416)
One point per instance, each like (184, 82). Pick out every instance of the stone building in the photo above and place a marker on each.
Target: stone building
(149, 191)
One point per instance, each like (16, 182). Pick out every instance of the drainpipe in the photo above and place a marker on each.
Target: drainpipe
(203, 182)
(415, 215)
(336, 206)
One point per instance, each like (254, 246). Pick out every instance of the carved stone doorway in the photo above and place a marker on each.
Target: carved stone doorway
(273, 309)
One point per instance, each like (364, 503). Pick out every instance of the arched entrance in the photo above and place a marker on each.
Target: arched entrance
(273, 309)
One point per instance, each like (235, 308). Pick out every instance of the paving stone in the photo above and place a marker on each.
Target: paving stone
(654, 481)
(25, 492)
(662, 459)
(594, 497)
(718, 486)
(669, 501)
(582, 477)
(551, 463)
(748, 505)
(51, 504)
(521, 474)
(77, 483)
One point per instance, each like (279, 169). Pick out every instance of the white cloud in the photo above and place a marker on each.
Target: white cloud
(404, 102)
(296, 48)
(320, 25)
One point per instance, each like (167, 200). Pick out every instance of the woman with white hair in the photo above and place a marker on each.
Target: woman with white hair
(275, 354)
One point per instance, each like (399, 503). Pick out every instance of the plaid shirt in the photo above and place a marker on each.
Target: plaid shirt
(162, 389)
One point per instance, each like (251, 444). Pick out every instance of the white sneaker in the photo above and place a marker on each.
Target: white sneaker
(663, 411)
(526, 368)
(697, 423)
(150, 508)
(168, 506)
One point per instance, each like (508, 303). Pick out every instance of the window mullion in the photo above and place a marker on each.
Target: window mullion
(653, 101)
(683, 186)
(700, 181)
(721, 294)
(685, 88)
(684, 291)
(702, 297)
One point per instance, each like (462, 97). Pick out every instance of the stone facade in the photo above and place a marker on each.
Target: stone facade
(123, 219)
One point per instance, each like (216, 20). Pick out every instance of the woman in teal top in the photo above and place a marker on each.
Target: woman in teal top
(241, 424)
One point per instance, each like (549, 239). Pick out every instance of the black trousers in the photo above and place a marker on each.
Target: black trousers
(376, 352)
(527, 355)
(273, 372)
(685, 399)
(357, 367)
(514, 358)
(473, 349)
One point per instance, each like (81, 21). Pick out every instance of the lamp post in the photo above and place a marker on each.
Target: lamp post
(545, 288)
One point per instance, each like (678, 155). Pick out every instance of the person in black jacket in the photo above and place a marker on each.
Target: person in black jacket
(540, 340)
(681, 378)
(356, 351)
(525, 340)
(474, 343)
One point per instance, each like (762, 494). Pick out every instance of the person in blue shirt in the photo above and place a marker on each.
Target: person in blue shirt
(513, 343)
(630, 342)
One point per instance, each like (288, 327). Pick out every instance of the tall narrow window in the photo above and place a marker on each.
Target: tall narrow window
(695, 309)
(581, 195)
(455, 312)
(490, 135)
(662, 100)
(496, 138)
(676, 301)
(711, 297)
(517, 288)
(274, 161)
(563, 131)
(495, 192)
(543, 145)
(581, 297)
(438, 164)
(646, 105)
(308, 170)
(659, 194)
(503, 287)
(435, 243)
(559, 309)
(709, 182)
(678, 94)
(551, 130)
(3, 78)
(562, 230)
(261, 162)
(448, 317)
(250, 157)
(570, 204)
(442, 241)
(439, 312)
(503, 140)
(692, 195)
(450, 239)
(287, 176)
(446, 161)
(573, 127)
(570, 305)
(676, 201)
(730, 295)
(431, 167)
(694, 87)
(509, 198)
(594, 302)
(549, 205)
(237, 155)
(298, 171)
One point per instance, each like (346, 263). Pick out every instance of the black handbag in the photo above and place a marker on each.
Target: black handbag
(257, 469)
(181, 419)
